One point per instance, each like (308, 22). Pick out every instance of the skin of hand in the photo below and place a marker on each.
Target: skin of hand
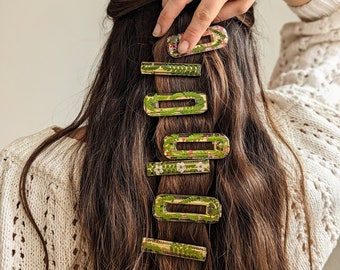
(207, 12)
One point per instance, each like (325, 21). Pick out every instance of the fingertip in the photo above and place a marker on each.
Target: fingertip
(183, 46)
(157, 30)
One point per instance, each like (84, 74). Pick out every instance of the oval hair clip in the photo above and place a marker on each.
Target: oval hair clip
(215, 37)
(212, 213)
(174, 249)
(218, 144)
(178, 167)
(152, 104)
(175, 69)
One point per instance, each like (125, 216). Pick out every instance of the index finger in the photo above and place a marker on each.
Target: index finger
(171, 9)
(205, 13)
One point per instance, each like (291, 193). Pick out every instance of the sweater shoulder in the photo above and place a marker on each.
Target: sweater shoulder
(22, 147)
(54, 161)
(52, 186)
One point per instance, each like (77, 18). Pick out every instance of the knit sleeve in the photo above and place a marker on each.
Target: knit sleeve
(18, 238)
(316, 9)
(304, 94)
(310, 53)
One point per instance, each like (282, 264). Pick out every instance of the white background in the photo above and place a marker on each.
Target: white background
(48, 52)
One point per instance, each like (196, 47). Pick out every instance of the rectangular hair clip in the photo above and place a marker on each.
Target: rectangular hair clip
(174, 249)
(174, 69)
(152, 104)
(218, 142)
(213, 208)
(178, 167)
(217, 35)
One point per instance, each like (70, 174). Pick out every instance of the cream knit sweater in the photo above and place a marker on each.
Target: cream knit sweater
(305, 99)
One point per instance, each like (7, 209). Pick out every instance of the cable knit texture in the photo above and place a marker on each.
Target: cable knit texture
(305, 99)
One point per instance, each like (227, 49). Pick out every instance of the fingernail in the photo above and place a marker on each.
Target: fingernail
(183, 46)
(157, 31)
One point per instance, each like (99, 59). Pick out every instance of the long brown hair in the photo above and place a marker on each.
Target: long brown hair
(116, 196)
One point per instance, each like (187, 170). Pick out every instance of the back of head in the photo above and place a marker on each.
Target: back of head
(116, 195)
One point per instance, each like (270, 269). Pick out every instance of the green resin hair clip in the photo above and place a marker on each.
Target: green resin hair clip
(213, 208)
(217, 38)
(220, 145)
(174, 249)
(178, 167)
(152, 108)
(176, 69)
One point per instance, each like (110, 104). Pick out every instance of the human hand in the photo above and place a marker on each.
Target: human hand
(208, 11)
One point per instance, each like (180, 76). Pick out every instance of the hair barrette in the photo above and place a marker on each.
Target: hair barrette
(216, 37)
(152, 104)
(217, 144)
(175, 69)
(163, 202)
(174, 249)
(178, 167)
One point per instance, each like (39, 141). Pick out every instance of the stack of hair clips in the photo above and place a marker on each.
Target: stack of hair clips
(184, 161)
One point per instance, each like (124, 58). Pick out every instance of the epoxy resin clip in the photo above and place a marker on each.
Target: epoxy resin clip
(217, 38)
(218, 143)
(178, 167)
(174, 69)
(213, 208)
(152, 104)
(174, 249)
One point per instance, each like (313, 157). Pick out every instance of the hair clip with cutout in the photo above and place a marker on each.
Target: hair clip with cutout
(217, 146)
(163, 202)
(216, 37)
(152, 104)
